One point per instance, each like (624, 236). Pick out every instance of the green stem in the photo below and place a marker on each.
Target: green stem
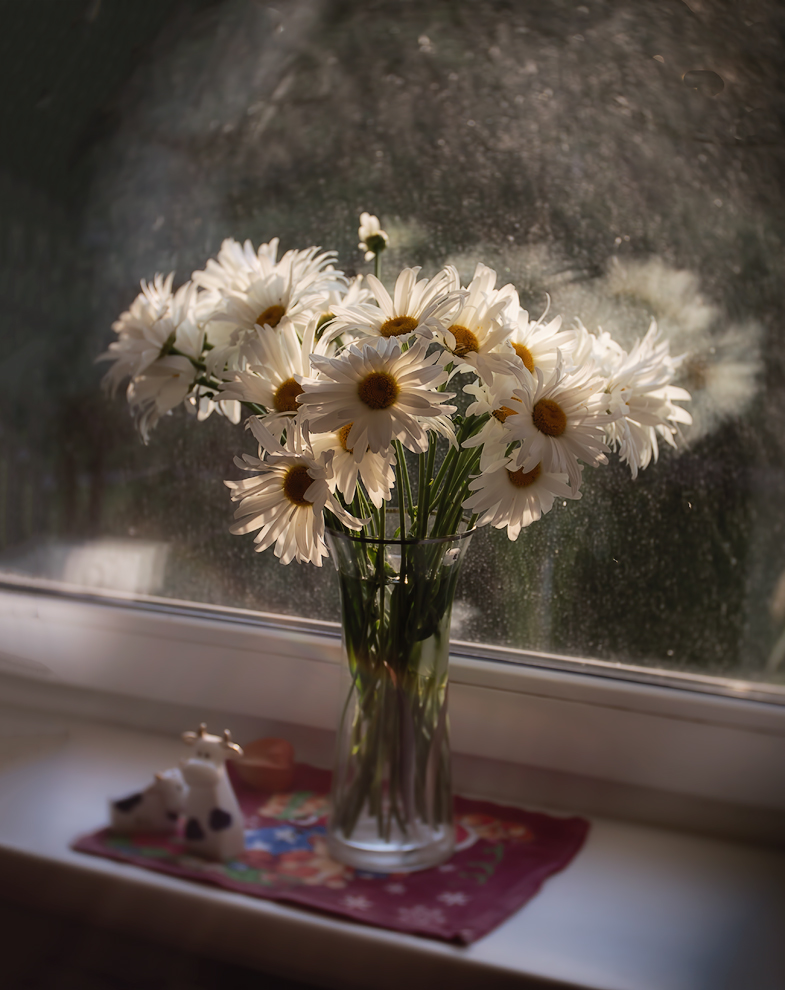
(405, 500)
(422, 508)
(448, 459)
(199, 365)
(206, 383)
(428, 480)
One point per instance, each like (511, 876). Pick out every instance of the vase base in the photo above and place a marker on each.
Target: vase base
(377, 856)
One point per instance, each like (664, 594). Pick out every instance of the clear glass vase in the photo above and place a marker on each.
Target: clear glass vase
(391, 804)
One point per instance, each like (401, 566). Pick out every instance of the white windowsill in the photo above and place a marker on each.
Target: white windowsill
(638, 909)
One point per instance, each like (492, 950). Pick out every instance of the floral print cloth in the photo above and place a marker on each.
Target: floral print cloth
(503, 856)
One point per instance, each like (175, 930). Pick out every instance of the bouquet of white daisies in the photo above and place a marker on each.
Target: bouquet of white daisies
(446, 399)
(408, 418)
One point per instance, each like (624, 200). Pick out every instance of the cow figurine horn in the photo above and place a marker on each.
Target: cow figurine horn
(191, 737)
(228, 744)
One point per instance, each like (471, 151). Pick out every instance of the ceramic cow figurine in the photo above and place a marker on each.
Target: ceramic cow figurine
(155, 809)
(213, 820)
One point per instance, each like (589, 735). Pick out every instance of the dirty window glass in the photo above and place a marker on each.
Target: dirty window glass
(623, 160)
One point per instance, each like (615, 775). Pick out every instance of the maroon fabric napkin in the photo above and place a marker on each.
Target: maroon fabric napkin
(503, 857)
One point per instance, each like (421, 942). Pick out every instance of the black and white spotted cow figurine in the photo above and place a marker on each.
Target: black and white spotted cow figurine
(213, 820)
(155, 809)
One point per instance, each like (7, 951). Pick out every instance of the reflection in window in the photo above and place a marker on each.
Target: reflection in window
(622, 159)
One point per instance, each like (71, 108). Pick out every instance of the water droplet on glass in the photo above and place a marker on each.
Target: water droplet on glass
(704, 80)
(658, 58)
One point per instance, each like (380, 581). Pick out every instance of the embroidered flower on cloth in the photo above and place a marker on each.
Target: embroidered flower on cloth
(453, 898)
(356, 902)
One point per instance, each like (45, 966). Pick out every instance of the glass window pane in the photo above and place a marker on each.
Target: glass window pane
(624, 160)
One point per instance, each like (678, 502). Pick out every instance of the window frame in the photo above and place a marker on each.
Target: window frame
(691, 746)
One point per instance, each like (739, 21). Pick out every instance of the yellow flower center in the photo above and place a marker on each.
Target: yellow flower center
(342, 435)
(296, 483)
(271, 316)
(525, 355)
(504, 411)
(522, 479)
(398, 325)
(379, 390)
(285, 397)
(465, 340)
(549, 418)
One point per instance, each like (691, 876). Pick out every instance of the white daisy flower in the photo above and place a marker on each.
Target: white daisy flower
(420, 307)
(509, 496)
(290, 291)
(481, 325)
(236, 266)
(356, 293)
(165, 384)
(641, 396)
(386, 393)
(443, 426)
(376, 471)
(185, 334)
(285, 498)
(274, 361)
(498, 400)
(145, 328)
(205, 405)
(561, 422)
(538, 344)
(373, 239)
